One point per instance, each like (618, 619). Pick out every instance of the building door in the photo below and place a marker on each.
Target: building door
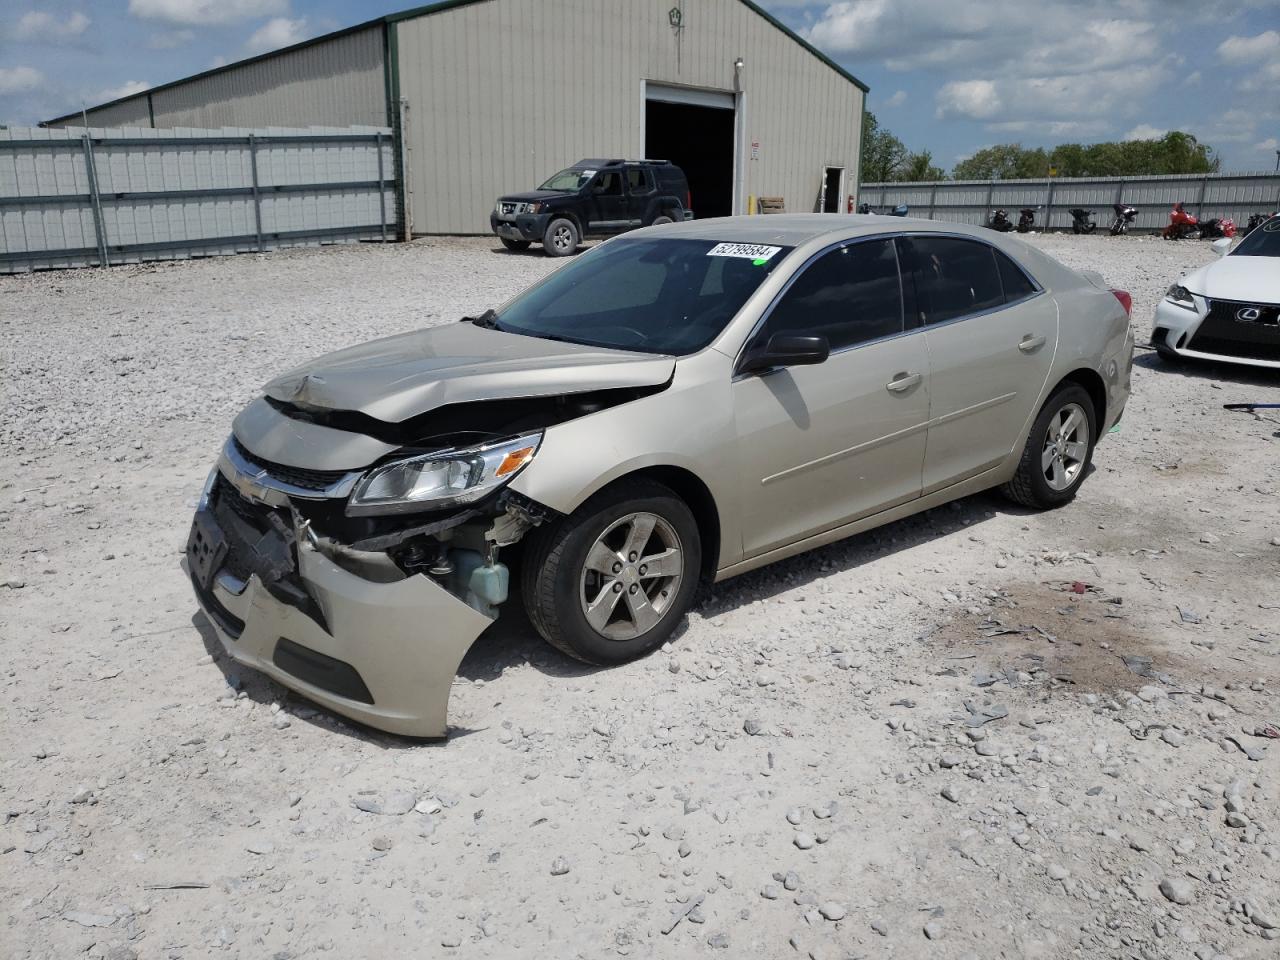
(831, 181)
(695, 130)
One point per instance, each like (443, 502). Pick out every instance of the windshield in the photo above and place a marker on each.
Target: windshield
(569, 180)
(1263, 242)
(651, 295)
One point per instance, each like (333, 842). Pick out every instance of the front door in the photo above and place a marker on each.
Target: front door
(991, 334)
(608, 204)
(822, 445)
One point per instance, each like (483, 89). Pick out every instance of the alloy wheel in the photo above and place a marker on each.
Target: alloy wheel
(631, 576)
(1066, 447)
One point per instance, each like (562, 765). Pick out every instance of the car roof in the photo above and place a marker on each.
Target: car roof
(793, 229)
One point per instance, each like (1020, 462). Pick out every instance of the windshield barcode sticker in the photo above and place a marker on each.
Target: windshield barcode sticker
(758, 252)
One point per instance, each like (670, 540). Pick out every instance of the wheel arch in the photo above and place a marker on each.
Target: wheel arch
(690, 488)
(1093, 385)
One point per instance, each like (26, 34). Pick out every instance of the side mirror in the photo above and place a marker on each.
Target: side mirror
(786, 350)
(1222, 246)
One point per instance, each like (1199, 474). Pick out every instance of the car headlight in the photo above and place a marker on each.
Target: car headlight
(533, 208)
(444, 479)
(1181, 296)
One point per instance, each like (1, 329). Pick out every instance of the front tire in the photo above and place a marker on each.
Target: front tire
(612, 580)
(1058, 452)
(519, 246)
(561, 237)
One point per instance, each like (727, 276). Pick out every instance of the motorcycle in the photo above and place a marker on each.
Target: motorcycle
(1000, 222)
(1215, 228)
(1080, 220)
(1026, 219)
(899, 211)
(1124, 219)
(1182, 225)
(1255, 221)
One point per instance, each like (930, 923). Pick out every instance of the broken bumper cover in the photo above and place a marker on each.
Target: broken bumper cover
(386, 654)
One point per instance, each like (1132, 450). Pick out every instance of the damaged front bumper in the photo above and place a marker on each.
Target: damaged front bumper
(351, 630)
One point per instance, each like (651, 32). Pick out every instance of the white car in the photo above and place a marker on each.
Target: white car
(1228, 310)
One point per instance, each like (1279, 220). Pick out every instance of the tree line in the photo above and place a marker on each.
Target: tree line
(886, 159)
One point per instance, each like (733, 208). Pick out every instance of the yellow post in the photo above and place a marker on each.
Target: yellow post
(751, 205)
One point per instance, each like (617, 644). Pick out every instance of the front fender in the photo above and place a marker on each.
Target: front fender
(689, 425)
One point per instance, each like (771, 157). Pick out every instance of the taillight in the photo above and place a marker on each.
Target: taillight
(688, 199)
(1125, 299)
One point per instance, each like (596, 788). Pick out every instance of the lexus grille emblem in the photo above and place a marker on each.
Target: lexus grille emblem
(1248, 314)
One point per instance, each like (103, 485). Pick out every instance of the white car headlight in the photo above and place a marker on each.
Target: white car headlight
(444, 479)
(1181, 296)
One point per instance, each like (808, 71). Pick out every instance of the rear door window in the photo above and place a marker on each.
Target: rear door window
(639, 180)
(953, 277)
(850, 295)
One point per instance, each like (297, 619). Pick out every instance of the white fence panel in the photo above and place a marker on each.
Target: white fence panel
(1234, 195)
(71, 197)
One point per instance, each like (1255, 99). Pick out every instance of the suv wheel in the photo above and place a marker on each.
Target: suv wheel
(516, 245)
(561, 238)
(1058, 451)
(611, 581)
(660, 219)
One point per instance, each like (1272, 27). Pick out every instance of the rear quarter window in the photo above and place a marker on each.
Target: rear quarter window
(1017, 285)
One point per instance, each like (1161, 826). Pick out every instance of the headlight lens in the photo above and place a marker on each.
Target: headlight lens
(534, 208)
(443, 479)
(1181, 296)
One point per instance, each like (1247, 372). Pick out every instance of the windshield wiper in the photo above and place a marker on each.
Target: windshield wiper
(488, 320)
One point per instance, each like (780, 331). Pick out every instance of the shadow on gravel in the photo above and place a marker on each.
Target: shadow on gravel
(1224, 373)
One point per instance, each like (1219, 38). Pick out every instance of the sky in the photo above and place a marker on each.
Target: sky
(946, 76)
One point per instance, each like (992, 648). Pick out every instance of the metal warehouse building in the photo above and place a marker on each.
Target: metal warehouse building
(491, 96)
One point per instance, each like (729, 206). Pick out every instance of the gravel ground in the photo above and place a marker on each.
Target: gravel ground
(921, 742)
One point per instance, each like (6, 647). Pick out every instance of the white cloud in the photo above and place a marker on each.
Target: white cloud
(205, 12)
(1053, 104)
(126, 89)
(1144, 131)
(19, 79)
(170, 39)
(1192, 79)
(276, 33)
(1271, 144)
(977, 99)
(44, 27)
(897, 100)
(1264, 46)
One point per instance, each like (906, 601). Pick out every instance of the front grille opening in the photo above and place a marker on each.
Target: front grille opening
(294, 476)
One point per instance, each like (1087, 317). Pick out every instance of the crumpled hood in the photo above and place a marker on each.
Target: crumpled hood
(1252, 279)
(403, 376)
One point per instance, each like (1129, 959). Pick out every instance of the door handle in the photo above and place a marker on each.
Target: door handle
(902, 381)
(1030, 344)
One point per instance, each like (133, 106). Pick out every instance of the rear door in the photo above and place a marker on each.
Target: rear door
(991, 333)
(641, 191)
(822, 445)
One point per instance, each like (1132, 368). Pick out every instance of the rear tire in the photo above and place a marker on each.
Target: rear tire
(661, 219)
(517, 245)
(1058, 452)
(586, 586)
(561, 238)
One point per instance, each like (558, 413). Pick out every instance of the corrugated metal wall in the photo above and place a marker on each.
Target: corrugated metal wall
(504, 93)
(338, 82)
(1234, 195)
(131, 194)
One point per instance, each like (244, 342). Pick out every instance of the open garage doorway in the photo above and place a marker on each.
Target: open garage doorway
(694, 129)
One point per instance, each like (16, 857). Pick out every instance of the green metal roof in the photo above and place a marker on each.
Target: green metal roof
(412, 14)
